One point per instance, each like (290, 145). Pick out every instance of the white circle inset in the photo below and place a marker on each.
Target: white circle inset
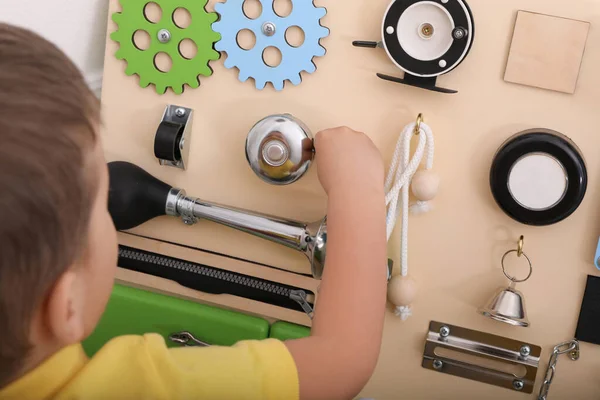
(443, 63)
(390, 30)
(418, 47)
(537, 181)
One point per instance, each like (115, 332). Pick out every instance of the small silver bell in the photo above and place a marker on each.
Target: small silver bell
(508, 304)
(279, 149)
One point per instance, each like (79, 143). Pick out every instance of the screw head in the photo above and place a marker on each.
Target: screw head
(444, 331)
(426, 30)
(268, 28)
(518, 384)
(180, 112)
(525, 350)
(438, 364)
(459, 33)
(164, 36)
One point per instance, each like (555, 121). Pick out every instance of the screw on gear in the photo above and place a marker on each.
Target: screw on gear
(294, 60)
(142, 62)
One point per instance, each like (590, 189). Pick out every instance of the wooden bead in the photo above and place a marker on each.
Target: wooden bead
(425, 185)
(402, 290)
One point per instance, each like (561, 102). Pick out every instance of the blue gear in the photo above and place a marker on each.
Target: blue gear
(294, 60)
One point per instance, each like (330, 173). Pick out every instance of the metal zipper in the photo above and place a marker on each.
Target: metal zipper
(213, 280)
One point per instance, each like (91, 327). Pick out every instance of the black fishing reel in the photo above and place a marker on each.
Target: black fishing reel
(425, 39)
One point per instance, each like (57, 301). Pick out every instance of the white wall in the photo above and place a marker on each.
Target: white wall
(78, 27)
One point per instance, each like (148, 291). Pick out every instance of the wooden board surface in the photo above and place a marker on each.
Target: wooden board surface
(454, 250)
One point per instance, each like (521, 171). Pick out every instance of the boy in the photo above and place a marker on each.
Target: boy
(58, 253)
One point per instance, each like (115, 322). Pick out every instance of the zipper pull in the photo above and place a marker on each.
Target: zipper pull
(187, 339)
(299, 296)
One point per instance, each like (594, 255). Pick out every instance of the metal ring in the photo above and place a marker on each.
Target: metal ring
(418, 124)
(567, 347)
(512, 278)
(520, 246)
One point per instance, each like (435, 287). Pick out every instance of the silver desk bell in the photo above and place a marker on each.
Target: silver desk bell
(279, 149)
(508, 304)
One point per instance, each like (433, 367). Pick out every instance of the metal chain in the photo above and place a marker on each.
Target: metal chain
(571, 347)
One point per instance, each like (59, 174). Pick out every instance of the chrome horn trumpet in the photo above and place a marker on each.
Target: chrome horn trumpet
(136, 197)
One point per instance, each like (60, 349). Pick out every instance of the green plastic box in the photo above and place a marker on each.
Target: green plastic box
(133, 311)
(284, 331)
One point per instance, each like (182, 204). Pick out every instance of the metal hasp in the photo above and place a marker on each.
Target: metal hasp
(279, 149)
(172, 139)
(444, 339)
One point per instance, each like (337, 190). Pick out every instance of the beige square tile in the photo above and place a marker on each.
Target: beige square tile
(546, 51)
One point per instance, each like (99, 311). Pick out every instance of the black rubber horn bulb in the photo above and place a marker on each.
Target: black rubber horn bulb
(134, 195)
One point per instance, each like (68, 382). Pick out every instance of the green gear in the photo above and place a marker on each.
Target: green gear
(141, 62)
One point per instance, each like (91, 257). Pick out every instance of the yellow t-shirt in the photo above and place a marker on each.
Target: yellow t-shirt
(142, 367)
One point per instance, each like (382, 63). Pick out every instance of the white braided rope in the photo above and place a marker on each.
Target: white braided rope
(400, 174)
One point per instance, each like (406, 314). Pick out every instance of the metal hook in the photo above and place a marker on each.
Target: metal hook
(418, 124)
(520, 246)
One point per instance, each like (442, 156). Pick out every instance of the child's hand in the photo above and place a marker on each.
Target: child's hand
(346, 159)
